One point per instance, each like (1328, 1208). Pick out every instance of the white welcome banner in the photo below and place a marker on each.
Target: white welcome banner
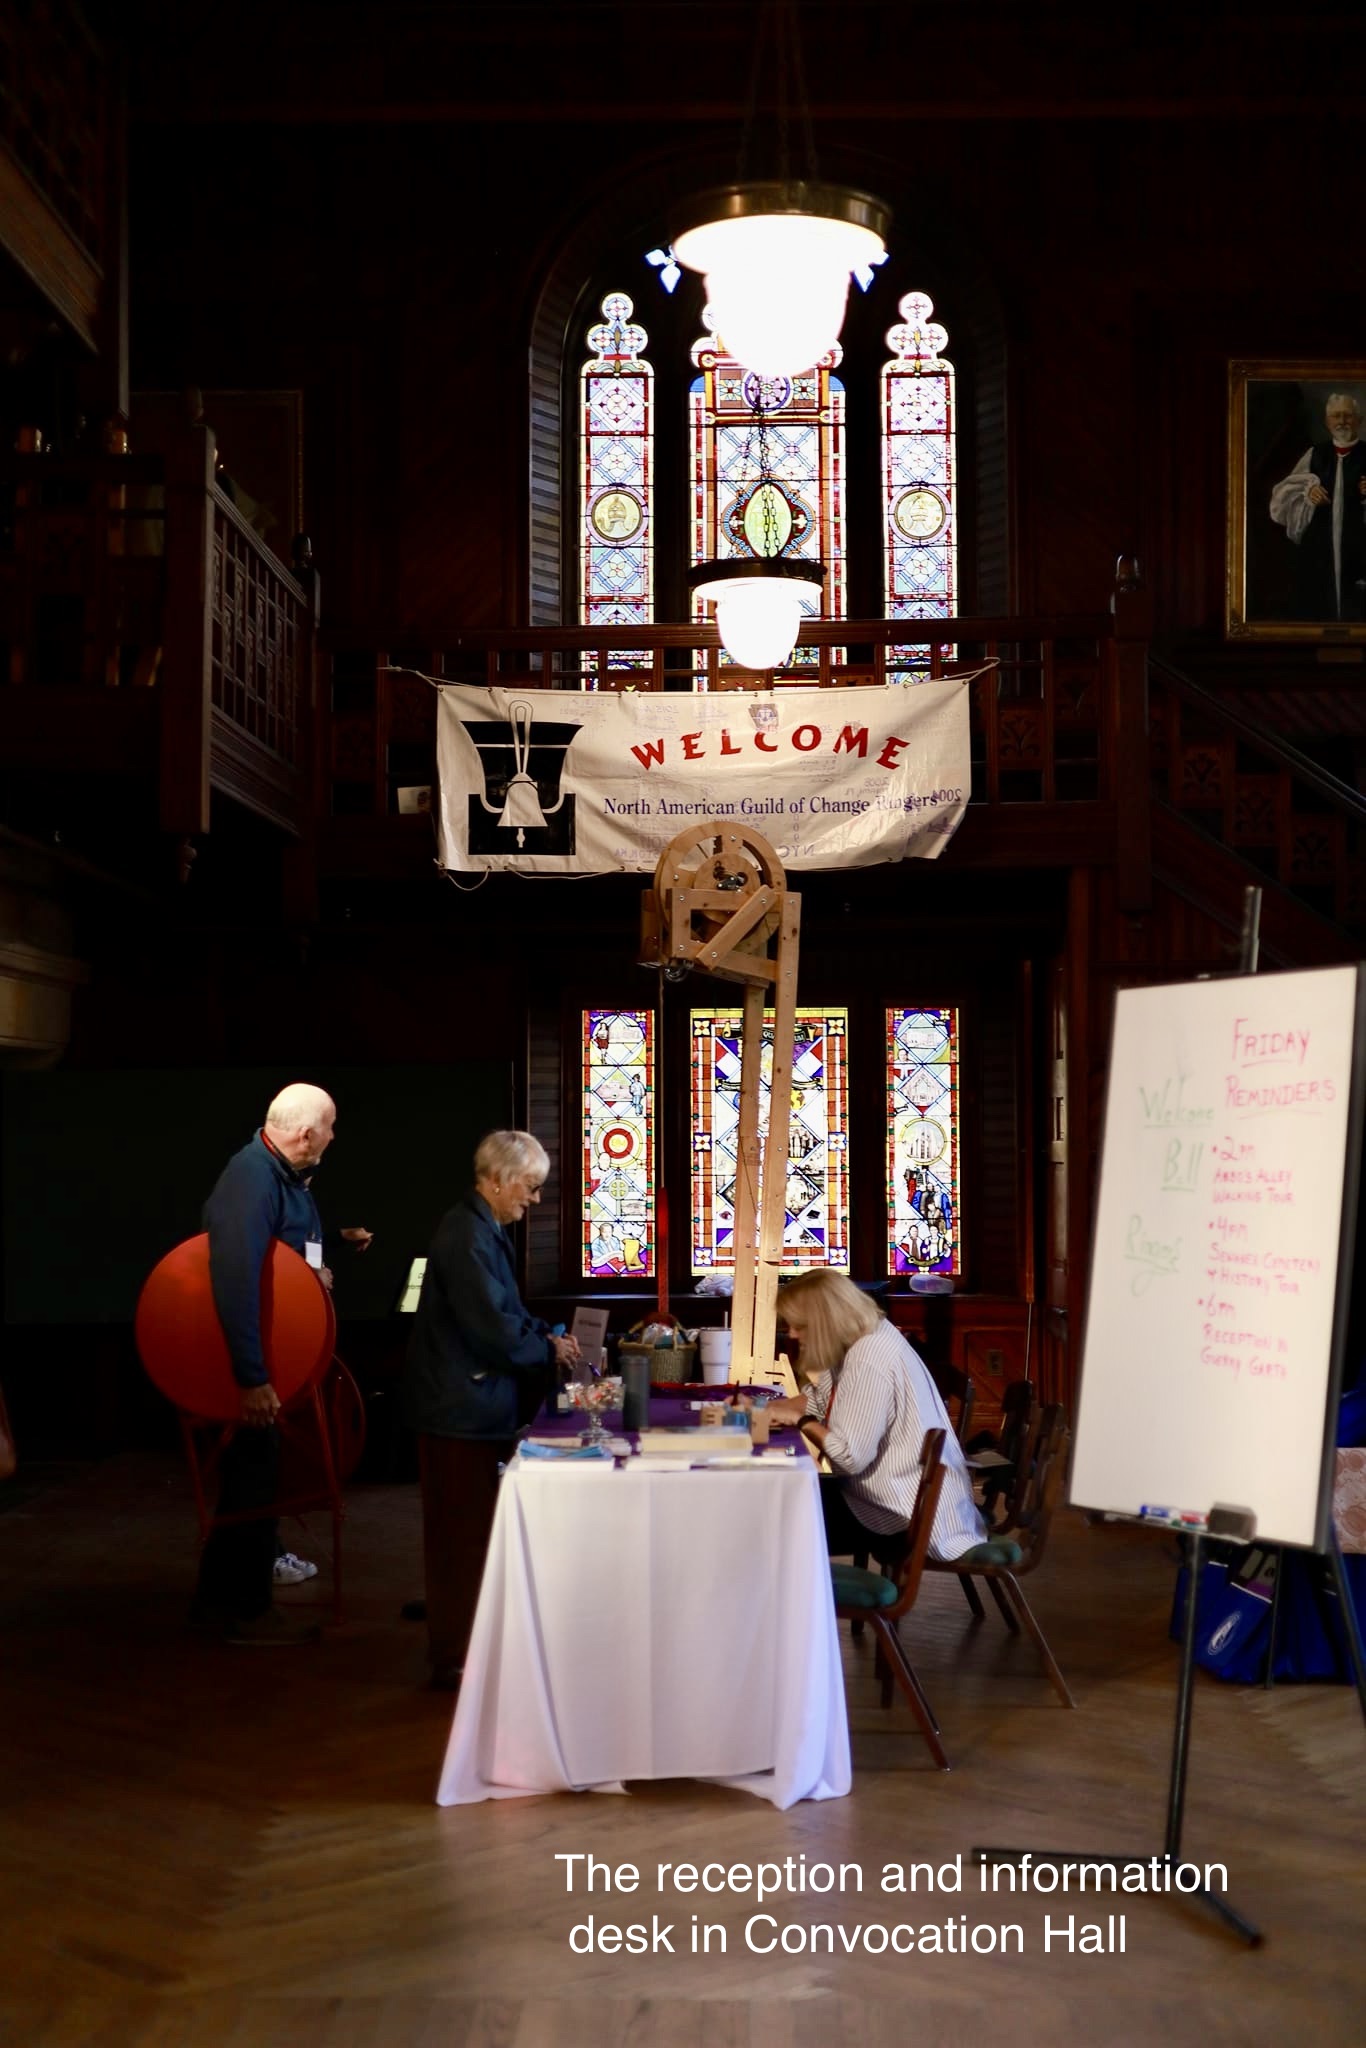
(558, 782)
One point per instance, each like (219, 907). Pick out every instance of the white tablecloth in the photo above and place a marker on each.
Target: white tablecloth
(653, 1624)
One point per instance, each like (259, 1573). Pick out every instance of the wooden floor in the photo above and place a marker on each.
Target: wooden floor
(216, 1846)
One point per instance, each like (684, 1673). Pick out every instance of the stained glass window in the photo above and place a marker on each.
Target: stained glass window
(618, 1143)
(801, 512)
(924, 1196)
(616, 473)
(816, 1221)
(919, 475)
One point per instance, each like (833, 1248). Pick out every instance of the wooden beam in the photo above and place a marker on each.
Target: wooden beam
(68, 278)
(748, 1162)
(770, 1258)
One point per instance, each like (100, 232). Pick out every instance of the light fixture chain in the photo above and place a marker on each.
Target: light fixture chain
(759, 443)
(778, 42)
(797, 64)
(756, 75)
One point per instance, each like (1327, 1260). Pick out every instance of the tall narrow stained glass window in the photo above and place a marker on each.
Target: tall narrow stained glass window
(919, 471)
(619, 1148)
(924, 1195)
(616, 473)
(801, 512)
(816, 1220)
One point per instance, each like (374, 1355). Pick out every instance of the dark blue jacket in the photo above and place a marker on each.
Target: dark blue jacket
(479, 1364)
(258, 1196)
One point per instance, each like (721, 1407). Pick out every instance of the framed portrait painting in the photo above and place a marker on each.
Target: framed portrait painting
(1296, 501)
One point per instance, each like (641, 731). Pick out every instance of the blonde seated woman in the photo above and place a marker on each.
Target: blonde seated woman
(868, 1403)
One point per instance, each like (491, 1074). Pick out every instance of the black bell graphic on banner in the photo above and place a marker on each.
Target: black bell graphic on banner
(521, 804)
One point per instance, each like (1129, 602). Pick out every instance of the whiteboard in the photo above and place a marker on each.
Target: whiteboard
(1221, 1264)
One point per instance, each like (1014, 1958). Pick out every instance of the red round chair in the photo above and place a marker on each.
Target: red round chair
(322, 1417)
(181, 1343)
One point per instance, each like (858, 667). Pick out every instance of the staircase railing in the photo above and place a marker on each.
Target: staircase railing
(1257, 795)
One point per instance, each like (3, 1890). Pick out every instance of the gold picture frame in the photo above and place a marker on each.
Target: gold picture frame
(1296, 560)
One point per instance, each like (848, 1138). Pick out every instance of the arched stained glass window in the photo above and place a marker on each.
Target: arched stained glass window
(924, 1196)
(619, 1149)
(616, 473)
(919, 471)
(802, 512)
(816, 1219)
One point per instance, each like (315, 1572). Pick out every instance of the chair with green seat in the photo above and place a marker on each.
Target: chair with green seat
(1002, 1562)
(956, 1386)
(880, 1600)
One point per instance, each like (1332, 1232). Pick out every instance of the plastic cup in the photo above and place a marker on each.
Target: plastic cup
(715, 1357)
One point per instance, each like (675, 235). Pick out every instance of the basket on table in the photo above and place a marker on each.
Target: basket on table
(667, 1362)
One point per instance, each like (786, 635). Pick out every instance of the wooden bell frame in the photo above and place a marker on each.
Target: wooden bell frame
(720, 904)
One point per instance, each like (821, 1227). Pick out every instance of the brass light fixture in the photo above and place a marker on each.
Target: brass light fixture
(777, 253)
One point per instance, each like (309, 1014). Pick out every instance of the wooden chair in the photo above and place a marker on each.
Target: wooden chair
(1014, 1444)
(880, 1601)
(954, 1386)
(1037, 1492)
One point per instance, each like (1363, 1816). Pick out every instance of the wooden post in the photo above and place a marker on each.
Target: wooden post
(311, 765)
(1132, 609)
(186, 676)
(774, 1154)
(749, 1157)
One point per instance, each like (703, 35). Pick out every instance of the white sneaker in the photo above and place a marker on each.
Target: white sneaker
(292, 1571)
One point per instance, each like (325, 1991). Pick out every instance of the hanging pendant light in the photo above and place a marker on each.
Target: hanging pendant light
(777, 259)
(761, 598)
(777, 252)
(760, 605)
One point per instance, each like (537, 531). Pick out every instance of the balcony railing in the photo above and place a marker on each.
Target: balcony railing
(1048, 710)
(144, 626)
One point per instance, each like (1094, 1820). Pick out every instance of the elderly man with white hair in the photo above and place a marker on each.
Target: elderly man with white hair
(1322, 506)
(262, 1193)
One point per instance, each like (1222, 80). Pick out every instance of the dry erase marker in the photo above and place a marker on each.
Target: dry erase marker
(1156, 1515)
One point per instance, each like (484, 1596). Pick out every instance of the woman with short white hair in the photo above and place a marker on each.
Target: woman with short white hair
(479, 1366)
(868, 1404)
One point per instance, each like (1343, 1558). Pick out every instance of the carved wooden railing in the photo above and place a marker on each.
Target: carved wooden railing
(246, 628)
(1056, 716)
(1257, 796)
(144, 626)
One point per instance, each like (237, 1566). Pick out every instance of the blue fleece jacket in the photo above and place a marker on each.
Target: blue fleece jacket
(479, 1363)
(258, 1196)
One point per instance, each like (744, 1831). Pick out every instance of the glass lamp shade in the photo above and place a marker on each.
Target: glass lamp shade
(760, 606)
(777, 261)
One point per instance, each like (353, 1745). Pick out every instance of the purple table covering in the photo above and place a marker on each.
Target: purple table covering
(667, 1411)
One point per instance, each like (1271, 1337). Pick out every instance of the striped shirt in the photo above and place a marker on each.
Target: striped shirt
(884, 1401)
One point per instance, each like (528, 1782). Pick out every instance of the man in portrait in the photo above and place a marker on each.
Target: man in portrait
(1322, 506)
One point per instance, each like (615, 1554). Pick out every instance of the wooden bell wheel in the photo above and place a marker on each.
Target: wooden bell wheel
(181, 1343)
(719, 888)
